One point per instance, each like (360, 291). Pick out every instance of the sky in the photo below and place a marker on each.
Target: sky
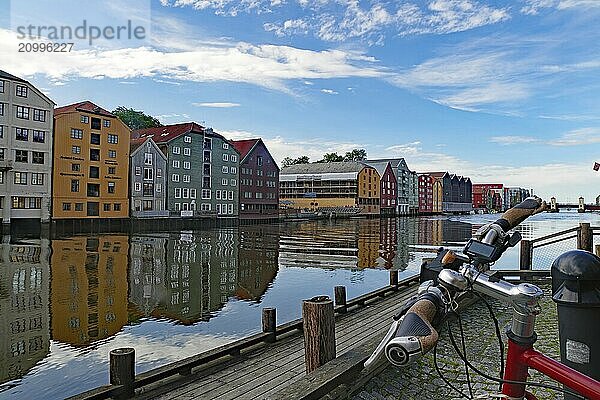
(501, 91)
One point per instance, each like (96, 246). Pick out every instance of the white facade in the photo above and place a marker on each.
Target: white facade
(26, 118)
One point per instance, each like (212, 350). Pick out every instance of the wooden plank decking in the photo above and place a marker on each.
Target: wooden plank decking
(260, 373)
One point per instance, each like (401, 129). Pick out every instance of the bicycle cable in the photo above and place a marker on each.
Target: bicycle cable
(477, 371)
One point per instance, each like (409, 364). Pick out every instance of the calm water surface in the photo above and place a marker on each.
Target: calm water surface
(65, 303)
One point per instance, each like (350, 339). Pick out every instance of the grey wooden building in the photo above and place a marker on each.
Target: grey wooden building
(148, 180)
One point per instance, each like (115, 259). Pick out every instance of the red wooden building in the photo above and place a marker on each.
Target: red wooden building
(488, 196)
(426, 193)
(388, 186)
(259, 180)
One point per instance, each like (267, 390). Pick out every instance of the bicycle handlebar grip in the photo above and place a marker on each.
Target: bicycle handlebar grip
(519, 213)
(415, 335)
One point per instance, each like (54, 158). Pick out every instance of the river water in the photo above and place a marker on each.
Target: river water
(66, 302)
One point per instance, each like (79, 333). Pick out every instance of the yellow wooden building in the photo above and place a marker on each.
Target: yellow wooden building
(91, 163)
(330, 187)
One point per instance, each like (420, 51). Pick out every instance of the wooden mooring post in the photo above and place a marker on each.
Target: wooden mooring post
(122, 370)
(340, 298)
(269, 323)
(319, 332)
(394, 279)
(526, 255)
(585, 238)
(598, 250)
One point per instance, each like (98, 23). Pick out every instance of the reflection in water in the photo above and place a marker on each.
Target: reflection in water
(191, 286)
(24, 311)
(89, 289)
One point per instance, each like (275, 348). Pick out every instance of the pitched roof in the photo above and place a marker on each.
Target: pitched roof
(135, 143)
(85, 106)
(380, 166)
(163, 134)
(6, 75)
(324, 168)
(244, 146)
(395, 162)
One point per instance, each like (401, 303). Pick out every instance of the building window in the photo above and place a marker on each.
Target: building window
(66, 206)
(148, 158)
(230, 208)
(37, 157)
(225, 146)
(192, 193)
(233, 182)
(208, 143)
(148, 174)
(225, 157)
(177, 193)
(111, 187)
(175, 177)
(185, 193)
(106, 123)
(187, 139)
(96, 123)
(21, 91)
(38, 136)
(259, 161)
(112, 154)
(94, 154)
(94, 172)
(117, 207)
(21, 156)
(186, 165)
(159, 187)
(26, 202)
(1, 86)
(74, 185)
(22, 134)
(138, 170)
(20, 178)
(225, 169)
(206, 182)
(205, 206)
(22, 112)
(176, 164)
(84, 119)
(177, 206)
(186, 178)
(230, 195)
(159, 173)
(233, 169)
(75, 149)
(37, 178)
(224, 182)
(148, 205)
(93, 190)
(39, 115)
(2, 154)
(138, 186)
(75, 167)
(207, 156)
(176, 150)
(76, 133)
(206, 194)
(112, 170)
(78, 206)
(93, 209)
(1, 131)
(1, 179)
(233, 158)
(95, 138)
(113, 139)
(106, 206)
(218, 195)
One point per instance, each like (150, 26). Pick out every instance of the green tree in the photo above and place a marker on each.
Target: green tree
(356, 155)
(286, 162)
(331, 157)
(136, 119)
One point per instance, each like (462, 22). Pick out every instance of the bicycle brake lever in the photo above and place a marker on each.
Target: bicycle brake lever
(380, 349)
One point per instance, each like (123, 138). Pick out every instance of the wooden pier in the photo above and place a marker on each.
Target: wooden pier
(258, 367)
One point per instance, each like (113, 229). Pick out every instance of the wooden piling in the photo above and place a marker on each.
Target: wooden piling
(340, 298)
(584, 237)
(526, 255)
(598, 250)
(122, 370)
(269, 323)
(394, 278)
(319, 332)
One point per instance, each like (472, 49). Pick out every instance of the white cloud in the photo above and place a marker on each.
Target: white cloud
(510, 140)
(262, 65)
(533, 7)
(329, 91)
(216, 105)
(578, 137)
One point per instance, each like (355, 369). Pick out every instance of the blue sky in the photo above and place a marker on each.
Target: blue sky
(502, 91)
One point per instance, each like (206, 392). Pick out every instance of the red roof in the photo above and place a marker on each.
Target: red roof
(86, 106)
(244, 146)
(163, 134)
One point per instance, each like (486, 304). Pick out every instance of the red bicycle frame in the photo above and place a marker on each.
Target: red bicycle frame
(521, 357)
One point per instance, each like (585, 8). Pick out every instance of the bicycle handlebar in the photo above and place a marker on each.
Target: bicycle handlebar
(519, 213)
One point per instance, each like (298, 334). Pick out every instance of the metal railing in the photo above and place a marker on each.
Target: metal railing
(539, 253)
